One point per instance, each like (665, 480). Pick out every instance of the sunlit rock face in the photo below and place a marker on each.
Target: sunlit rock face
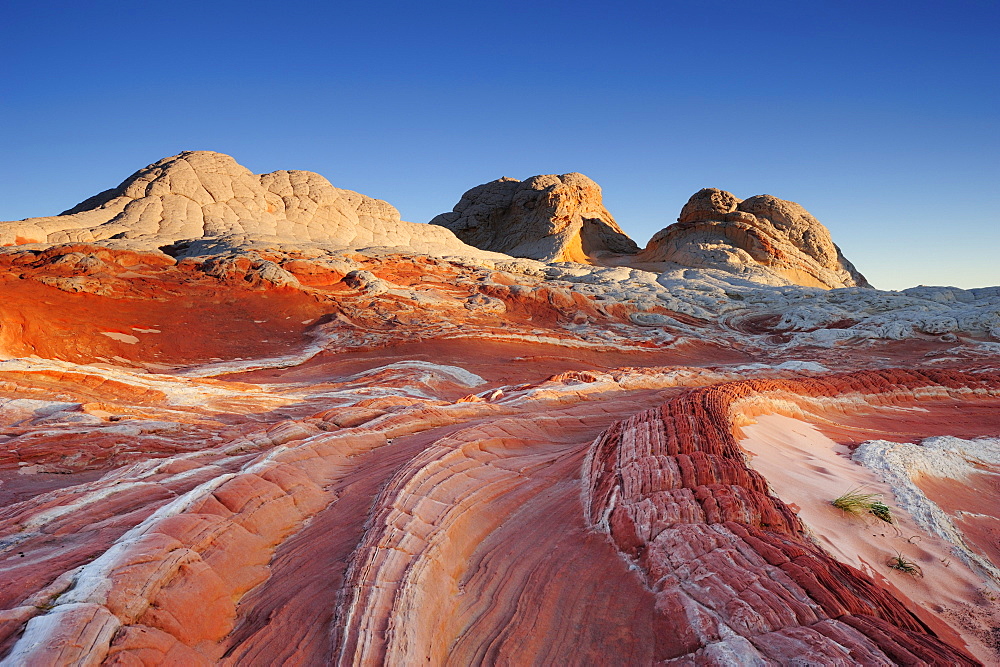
(260, 448)
(761, 234)
(201, 194)
(549, 218)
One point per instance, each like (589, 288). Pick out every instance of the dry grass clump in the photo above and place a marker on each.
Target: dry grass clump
(859, 504)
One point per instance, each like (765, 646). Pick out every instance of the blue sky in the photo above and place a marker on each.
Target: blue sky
(881, 118)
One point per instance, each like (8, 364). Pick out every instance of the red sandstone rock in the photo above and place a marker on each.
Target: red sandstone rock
(673, 494)
(279, 454)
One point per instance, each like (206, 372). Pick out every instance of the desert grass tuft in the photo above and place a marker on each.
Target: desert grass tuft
(901, 563)
(859, 504)
(854, 502)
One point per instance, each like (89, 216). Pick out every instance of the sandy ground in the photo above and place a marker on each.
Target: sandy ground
(807, 470)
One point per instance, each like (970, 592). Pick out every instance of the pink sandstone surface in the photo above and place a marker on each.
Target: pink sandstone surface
(262, 448)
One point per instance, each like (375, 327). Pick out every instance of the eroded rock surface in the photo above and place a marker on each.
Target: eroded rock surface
(201, 194)
(262, 449)
(716, 230)
(731, 563)
(549, 218)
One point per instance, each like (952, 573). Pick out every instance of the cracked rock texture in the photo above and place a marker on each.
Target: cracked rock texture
(201, 194)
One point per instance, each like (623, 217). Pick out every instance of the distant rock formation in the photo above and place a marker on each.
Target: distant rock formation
(202, 194)
(549, 218)
(717, 230)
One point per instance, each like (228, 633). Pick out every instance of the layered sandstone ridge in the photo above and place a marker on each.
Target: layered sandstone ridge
(716, 230)
(549, 218)
(729, 562)
(202, 194)
(341, 527)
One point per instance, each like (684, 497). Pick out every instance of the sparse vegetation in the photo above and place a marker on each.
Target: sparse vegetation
(899, 562)
(859, 504)
(881, 511)
(854, 502)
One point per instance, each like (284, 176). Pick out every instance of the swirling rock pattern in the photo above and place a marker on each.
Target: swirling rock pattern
(269, 545)
(238, 435)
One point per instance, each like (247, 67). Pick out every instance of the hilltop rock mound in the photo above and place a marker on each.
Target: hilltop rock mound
(202, 194)
(548, 218)
(720, 231)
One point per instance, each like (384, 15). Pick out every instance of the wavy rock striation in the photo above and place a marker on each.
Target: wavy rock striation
(730, 563)
(232, 434)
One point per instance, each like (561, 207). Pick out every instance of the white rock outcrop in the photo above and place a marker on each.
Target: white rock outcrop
(202, 194)
(752, 238)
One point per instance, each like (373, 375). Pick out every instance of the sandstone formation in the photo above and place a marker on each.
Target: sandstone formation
(729, 563)
(201, 194)
(716, 230)
(549, 218)
(272, 447)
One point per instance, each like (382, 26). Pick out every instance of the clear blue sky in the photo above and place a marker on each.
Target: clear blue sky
(881, 118)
